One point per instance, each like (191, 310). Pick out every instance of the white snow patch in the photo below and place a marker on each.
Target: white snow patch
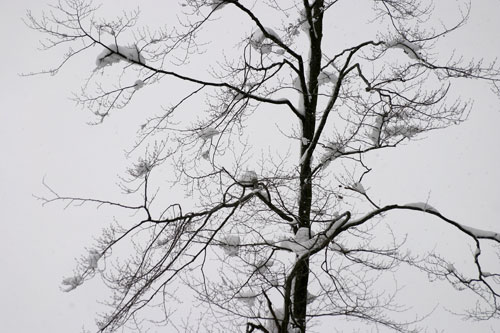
(258, 38)
(218, 4)
(264, 265)
(162, 242)
(114, 54)
(333, 150)
(423, 206)
(72, 283)
(304, 23)
(231, 244)
(270, 324)
(264, 193)
(208, 133)
(303, 157)
(302, 243)
(409, 48)
(297, 86)
(327, 78)
(310, 297)
(266, 49)
(302, 235)
(92, 259)
(247, 297)
(291, 245)
(206, 155)
(249, 177)
(239, 96)
(376, 129)
(478, 233)
(358, 187)
(405, 131)
(138, 84)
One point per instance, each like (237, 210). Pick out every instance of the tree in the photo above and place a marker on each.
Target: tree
(294, 237)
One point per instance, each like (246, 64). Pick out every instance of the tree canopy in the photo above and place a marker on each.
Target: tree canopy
(279, 229)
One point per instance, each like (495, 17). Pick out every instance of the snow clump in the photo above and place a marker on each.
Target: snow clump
(138, 84)
(218, 4)
(72, 283)
(265, 194)
(208, 133)
(304, 23)
(376, 129)
(358, 187)
(301, 243)
(333, 150)
(141, 169)
(326, 78)
(206, 155)
(302, 235)
(264, 265)
(409, 48)
(249, 177)
(230, 244)
(270, 324)
(113, 54)
(258, 38)
(93, 259)
(247, 297)
(298, 86)
(423, 206)
(162, 242)
(405, 131)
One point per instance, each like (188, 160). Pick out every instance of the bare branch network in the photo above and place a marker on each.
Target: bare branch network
(274, 244)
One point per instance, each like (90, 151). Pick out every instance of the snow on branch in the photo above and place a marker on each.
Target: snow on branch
(297, 85)
(138, 84)
(72, 283)
(333, 151)
(481, 234)
(327, 78)
(218, 4)
(409, 48)
(248, 297)
(87, 268)
(248, 178)
(113, 54)
(376, 129)
(358, 187)
(258, 38)
(425, 207)
(407, 131)
(230, 245)
(208, 133)
(303, 244)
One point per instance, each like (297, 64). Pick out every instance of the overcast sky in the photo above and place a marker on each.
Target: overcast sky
(43, 134)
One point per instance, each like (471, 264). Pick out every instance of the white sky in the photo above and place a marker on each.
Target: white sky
(42, 134)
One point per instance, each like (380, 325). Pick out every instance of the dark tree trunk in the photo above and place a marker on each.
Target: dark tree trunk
(299, 292)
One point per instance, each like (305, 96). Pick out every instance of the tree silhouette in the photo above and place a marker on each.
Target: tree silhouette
(269, 244)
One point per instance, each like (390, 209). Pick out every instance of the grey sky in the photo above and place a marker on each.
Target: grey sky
(42, 134)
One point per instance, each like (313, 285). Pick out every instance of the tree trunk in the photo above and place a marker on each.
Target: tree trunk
(299, 301)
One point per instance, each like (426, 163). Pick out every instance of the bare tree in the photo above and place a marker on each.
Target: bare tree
(269, 244)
